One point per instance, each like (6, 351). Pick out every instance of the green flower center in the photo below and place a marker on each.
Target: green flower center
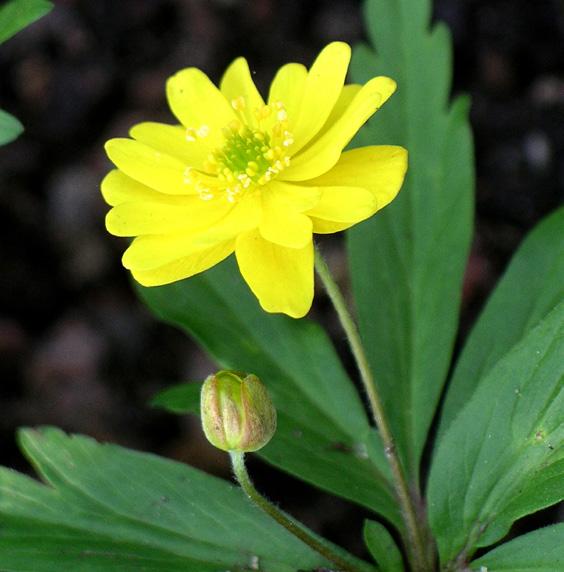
(245, 152)
(250, 157)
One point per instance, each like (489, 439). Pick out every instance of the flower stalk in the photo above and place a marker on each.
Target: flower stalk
(292, 526)
(415, 544)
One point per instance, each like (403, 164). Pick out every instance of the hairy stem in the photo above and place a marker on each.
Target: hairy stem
(292, 526)
(415, 544)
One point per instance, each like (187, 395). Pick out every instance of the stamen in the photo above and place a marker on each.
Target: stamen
(203, 131)
(188, 177)
(288, 139)
(206, 194)
(238, 103)
(263, 112)
(251, 156)
(193, 134)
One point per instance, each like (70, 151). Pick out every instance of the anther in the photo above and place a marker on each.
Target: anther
(188, 175)
(203, 131)
(263, 112)
(288, 139)
(238, 103)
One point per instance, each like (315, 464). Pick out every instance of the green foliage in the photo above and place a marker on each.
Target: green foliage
(538, 551)
(500, 451)
(107, 508)
(323, 435)
(502, 457)
(407, 262)
(182, 398)
(10, 128)
(531, 287)
(382, 547)
(17, 14)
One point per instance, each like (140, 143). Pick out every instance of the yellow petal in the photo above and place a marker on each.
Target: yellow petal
(379, 168)
(197, 103)
(118, 188)
(185, 267)
(151, 251)
(281, 278)
(237, 82)
(171, 140)
(300, 197)
(348, 93)
(281, 223)
(321, 226)
(151, 217)
(288, 87)
(322, 88)
(152, 168)
(324, 152)
(344, 204)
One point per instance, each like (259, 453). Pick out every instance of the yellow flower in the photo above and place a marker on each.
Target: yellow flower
(252, 177)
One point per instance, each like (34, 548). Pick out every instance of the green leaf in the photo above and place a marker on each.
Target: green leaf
(538, 551)
(408, 261)
(10, 128)
(323, 435)
(502, 457)
(108, 508)
(183, 398)
(512, 310)
(17, 14)
(382, 547)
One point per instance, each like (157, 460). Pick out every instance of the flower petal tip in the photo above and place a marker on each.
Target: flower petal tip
(295, 313)
(110, 145)
(384, 86)
(337, 47)
(116, 146)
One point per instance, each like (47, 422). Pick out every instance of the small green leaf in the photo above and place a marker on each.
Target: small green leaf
(512, 310)
(538, 551)
(382, 547)
(323, 435)
(10, 128)
(502, 457)
(407, 262)
(17, 14)
(183, 398)
(108, 508)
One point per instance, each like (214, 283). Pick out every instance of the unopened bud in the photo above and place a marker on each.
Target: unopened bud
(237, 413)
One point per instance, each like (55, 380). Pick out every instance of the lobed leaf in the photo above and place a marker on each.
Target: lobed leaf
(538, 551)
(382, 547)
(323, 434)
(408, 261)
(181, 398)
(10, 128)
(105, 507)
(502, 457)
(531, 286)
(17, 14)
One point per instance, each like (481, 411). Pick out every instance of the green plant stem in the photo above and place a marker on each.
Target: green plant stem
(240, 470)
(415, 544)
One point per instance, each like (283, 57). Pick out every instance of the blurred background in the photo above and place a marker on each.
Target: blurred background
(77, 349)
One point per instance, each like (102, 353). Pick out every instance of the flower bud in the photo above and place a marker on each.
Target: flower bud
(237, 413)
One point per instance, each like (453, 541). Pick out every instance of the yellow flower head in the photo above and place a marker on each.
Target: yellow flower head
(252, 177)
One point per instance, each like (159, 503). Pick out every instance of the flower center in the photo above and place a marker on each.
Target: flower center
(250, 156)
